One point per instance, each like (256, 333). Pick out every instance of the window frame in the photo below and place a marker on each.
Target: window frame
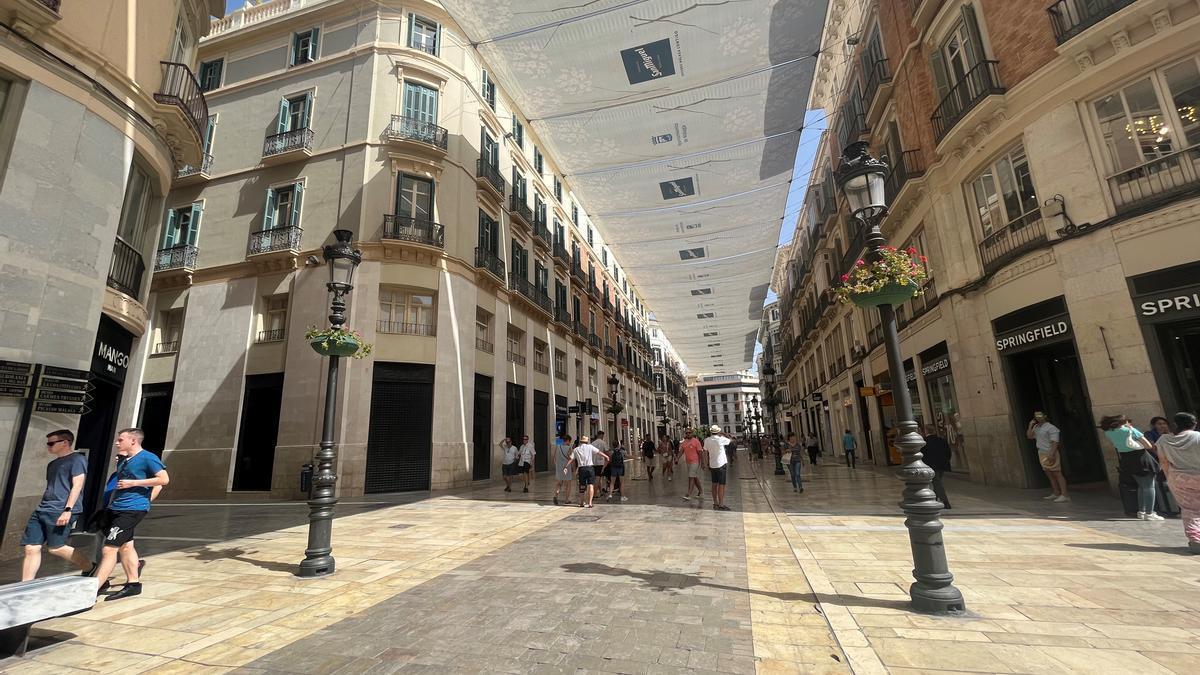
(415, 20)
(311, 53)
(271, 208)
(205, 71)
(991, 166)
(402, 309)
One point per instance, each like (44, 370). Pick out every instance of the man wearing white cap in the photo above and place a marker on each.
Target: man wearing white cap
(718, 464)
(584, 455)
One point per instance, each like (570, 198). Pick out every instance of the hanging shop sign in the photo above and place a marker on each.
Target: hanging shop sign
(1053, 329)
(866, 391)
(1173, 305)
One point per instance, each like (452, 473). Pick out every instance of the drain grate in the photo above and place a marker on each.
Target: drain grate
(583, 518)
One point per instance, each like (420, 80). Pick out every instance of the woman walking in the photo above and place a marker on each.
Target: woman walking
(1180, 453)
(1134, 458)
(564, 478)
(616, 470)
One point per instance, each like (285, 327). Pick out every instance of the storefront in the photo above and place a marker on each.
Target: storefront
(1168, 308)
(98, 426)
(943, 402)
(1042, 368)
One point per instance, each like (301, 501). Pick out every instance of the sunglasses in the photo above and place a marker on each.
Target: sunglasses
(51, 444)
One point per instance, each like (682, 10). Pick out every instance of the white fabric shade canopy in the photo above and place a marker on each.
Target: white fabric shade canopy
(676, 123)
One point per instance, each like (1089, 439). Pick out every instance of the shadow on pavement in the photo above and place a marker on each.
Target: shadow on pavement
(670, 582)
(1136, 548)
(208, 554)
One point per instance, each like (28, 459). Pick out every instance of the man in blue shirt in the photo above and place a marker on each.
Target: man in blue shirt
(55, 515)
(138, 475)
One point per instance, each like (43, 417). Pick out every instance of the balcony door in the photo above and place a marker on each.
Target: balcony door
(960, 51)
(294, 113)
(414, 198)
(489, 150)
(183, 226)
(420, 103)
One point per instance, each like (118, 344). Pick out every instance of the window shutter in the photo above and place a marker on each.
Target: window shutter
(314, 36)
(308, 101)
(171, 231)
(284, 109)
(208, 134)
(269, 212)
(482, 233)
(975, 53)
(298, 190)
(193, 233)
(941, 79)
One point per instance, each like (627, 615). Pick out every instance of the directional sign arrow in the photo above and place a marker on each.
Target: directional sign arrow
(70, 373)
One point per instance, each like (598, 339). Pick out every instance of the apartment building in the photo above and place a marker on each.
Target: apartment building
(772, 355)
(494, 305)
(1044, 159)
(670, 383)
(91, 132)
(725, 401)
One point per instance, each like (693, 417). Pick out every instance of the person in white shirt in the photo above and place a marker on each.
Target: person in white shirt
(718, 464)
(525, 460)
(510, 467)
(584, 456)
(1047, 438)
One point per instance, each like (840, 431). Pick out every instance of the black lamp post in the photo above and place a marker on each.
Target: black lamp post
(756, 425)
(614, 387)
(861, 179)
(341, 259)
(769, 401)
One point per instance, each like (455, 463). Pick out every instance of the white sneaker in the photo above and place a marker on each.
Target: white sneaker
(1141, 515)
(625, 499)
(1051, 496)
(1153, 516)
(1062, 499)
(687, 498)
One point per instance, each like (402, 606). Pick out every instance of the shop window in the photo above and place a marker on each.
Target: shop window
(1003, 193)
(304, 47)
(406, 311)
(273, 320)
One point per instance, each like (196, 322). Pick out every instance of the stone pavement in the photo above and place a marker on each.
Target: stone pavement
(485, 581)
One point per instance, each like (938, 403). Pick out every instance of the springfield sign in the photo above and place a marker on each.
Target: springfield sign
(1031, 336)
(1174, 305)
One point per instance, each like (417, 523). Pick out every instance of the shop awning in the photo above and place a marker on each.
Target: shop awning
(676, 123)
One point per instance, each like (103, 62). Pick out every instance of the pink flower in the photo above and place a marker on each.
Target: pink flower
(924, 259)
(859, 263)
(912, 251)
(845, 277)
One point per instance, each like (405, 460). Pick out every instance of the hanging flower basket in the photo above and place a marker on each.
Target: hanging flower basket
(337, 342)
(891, 278)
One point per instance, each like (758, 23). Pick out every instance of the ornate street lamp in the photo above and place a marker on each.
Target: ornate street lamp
(769, 401)
(755, 424)
(614, 388)
(861, 179)
(341, 259)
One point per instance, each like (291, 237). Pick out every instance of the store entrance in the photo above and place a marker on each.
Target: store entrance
(1180, 343)
(1050, 379)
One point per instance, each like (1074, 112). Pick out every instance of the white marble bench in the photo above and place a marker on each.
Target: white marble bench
(25, 603)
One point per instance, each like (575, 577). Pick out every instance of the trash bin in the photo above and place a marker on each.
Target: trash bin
(306, 475)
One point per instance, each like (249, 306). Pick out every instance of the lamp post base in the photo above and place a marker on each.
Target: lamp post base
(779, 467)
(945, 600)
(319, 566)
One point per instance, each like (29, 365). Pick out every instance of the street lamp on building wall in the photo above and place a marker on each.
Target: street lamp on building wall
(861, 178)
(342, 259)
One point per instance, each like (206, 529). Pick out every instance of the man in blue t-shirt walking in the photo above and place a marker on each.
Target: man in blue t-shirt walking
(137, 476)
(55, 515)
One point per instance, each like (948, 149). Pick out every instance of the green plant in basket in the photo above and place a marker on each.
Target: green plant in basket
(615, 408)
(891, 277)
(338, 341)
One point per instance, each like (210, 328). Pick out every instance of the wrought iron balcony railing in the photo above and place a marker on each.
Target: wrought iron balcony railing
(273, 335)
(515, 357)
(413, 129)
(175, 258)
(406, 328)
(276, 239)
(188, 170)
(168, 347)
(288, 141)
(126, 270)
(578, 273)
(1157, 182)
(407, 228)
(541, 234)
(486, 260)
(581, 329)
(562, 316)
(981, 81)
(879, 73)
(180, 88)
(490, 174)
(1069, 18)
(910, 164)
(1011, 241)
(519, 208)
(594, 342)
(561, 256)
(484, 345)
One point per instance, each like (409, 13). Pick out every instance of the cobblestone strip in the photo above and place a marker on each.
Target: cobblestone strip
(214, 608)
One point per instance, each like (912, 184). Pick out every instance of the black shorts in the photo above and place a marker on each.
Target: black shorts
(120, 526)
(586, 475)
(720, 476)
(513, 469)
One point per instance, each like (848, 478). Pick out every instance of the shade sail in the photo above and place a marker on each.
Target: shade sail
(676, 123)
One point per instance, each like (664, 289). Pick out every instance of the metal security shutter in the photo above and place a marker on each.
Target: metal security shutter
(481, 432)
(399, 443)
(541, 429)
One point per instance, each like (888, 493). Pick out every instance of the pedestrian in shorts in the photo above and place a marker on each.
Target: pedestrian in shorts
(648, 455)
(615, 469)
(525, 456)
(51, 522)
(718, 464)
(691, 450)
(137, 477)
(563, 476)
(585, 455)
(667, 453)
(509, 469)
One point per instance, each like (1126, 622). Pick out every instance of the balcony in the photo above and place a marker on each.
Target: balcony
(486, 260)
(578, 273)
(182, 257)
(1069, 18)
(484, 346)
(562, 316)
(607, 304)
(279, 239)
(594, 291)
(581, 329)
(126, 269)
(29, 16)
(561, 256)
(288, 146)
(1012, 241)
(878, 89)
(1154, 184)
(541, 235)
(182, 109)
(537, 297)
(520, 210)
(910, 164)
(540, 366)
(594, 342)
(413, 230)
(405, 328)
(610, 353)
(980, 82)
(189, 174)
(855, 248)
(489, 177)
(274, 335)
(169, 347)
(514, 357)
(410, 129)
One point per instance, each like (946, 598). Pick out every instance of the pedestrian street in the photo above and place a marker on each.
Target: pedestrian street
(485, 581)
